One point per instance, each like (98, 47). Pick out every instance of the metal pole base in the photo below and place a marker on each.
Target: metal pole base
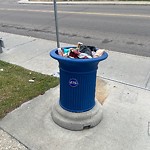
(77, 121)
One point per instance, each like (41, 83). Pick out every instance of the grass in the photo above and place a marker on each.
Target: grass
(16, 89)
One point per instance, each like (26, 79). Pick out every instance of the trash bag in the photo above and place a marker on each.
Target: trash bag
(85, 49)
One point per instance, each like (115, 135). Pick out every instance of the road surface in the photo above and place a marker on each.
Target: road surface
(122, 28)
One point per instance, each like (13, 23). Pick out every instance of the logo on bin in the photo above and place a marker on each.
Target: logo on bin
(73, 82)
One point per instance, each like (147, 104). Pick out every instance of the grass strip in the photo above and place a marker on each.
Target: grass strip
(16, 89)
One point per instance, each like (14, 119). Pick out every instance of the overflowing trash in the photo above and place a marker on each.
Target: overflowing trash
(81, 52)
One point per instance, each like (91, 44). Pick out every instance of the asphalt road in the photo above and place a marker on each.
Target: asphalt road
(121, 28)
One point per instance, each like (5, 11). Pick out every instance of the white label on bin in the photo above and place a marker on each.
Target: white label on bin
(73, 82)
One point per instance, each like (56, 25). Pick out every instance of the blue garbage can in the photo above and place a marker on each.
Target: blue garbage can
(77, 81)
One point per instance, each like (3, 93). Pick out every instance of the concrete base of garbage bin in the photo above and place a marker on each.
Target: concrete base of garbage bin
(77, 121)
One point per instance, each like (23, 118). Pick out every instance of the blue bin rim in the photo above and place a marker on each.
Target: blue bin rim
(54, 54)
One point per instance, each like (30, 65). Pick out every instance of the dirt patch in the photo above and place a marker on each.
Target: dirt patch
(101, 90)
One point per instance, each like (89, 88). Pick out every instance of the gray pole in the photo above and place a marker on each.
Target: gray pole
(56, 23)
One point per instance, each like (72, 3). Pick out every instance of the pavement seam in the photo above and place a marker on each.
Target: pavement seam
(21, 44)
(14, 138)
(147, 81)
(121, 82)
(148, 128)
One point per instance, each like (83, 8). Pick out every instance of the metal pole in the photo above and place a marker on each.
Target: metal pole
(56, 23)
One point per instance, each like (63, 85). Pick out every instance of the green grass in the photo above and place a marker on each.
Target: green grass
(16, 89)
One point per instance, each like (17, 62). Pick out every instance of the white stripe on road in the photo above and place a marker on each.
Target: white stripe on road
(77, 12)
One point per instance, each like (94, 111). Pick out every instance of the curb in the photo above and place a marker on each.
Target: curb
(88, 2)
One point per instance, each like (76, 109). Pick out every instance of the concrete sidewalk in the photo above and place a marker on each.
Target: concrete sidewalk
(33, 54)
(88, 2)
(126, 111)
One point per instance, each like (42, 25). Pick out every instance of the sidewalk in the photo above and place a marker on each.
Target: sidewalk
(33, 54)
(126, 113)
(88, 2)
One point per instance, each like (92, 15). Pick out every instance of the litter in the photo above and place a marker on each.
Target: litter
(31, 81)
(81, 52)
(56, 74)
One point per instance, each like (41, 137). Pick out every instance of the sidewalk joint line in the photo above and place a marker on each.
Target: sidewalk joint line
(148, 128)
(121, 82)
(20, 44)
(14, 138)
(146, 84)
